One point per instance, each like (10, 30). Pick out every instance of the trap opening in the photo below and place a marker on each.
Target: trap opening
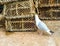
(1, 8)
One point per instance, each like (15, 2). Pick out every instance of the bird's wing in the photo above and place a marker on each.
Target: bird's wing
(42, 26)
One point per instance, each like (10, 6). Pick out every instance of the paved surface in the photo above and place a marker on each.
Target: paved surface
(31, 38)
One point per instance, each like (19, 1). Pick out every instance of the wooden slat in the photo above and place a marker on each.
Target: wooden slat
(4, 10)
(9, 24)
(49, 5)
(22, 29)
(6, 24)
(14, 17)
(49, 18)
(22, 24)
(22, 21)
(19, 8)
(54, 10)
(6, 1)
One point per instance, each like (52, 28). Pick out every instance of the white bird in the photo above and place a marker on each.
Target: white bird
(42, 26)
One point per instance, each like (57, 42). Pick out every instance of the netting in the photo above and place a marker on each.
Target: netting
(51, 14)
(49, 9)
(18, 8)
(22, 24)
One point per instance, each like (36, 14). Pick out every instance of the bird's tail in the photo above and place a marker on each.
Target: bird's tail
(51, 31)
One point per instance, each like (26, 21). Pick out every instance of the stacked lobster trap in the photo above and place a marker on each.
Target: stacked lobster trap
(49, 9)
(19, 16)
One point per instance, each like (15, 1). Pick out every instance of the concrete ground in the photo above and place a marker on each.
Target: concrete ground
(31, 38)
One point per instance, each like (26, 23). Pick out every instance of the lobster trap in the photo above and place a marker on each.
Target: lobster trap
(20, 23)
(49, 9)
(19, 16)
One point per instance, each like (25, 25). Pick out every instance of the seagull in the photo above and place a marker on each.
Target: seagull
(42, 26)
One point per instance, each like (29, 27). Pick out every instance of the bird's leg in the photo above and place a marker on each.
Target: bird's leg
(40, 32)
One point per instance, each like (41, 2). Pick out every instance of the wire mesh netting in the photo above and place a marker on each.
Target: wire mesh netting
(49, 9)
(22, 24)
(18, 8)
(56, 14)
(51, 14)
(16, 25)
